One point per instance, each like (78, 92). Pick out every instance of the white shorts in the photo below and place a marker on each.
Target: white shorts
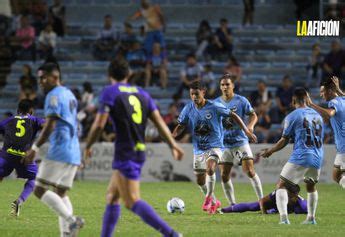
(236, 154)
(339, 161)
(199, 162)
(57, 174)
(296, 173)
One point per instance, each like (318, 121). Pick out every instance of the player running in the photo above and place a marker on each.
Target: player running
(305, 126)
(129, 107)
(59, 167)
(204, 119)
(237, 149)
(19, 132)
(267, 205)
(335, 113)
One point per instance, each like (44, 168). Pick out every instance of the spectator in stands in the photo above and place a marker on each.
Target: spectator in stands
(314, 67)
(155, 24)
(234, 68)
(39, 15)
(26, 36)
(190, 73)
(223, 38)
(283, 99)
(127, 38)
(136, 58)
(261, 97)
(47, 42)
(28, 84)
(171, 117)
(204, 38)
(334, 63)
(248, 15)
(209, 78)
(57, 14)
(87, 97)
(156, 67)
(142, 34)
(104, 48)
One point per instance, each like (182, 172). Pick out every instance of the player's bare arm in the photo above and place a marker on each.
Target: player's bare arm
(95, 132)
(267, 152)
(240, 122)
(44, 135)
(252, 120)
(178, 130)
(165, 133)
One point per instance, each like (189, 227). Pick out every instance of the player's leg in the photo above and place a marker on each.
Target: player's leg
(339, 170)
(290, 176)
(64, 225)
(49, 174)
(225, 165)
(246, 155)
(311, 178)
(112, 209)
(130, 193)
(242, 207)
(6, 169)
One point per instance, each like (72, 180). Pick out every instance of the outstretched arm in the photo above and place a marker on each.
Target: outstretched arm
(164, 131)
(240, 123)
(252, 120)
(178, 130)
(267, 152)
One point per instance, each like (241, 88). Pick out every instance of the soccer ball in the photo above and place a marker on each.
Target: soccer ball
(175, 205)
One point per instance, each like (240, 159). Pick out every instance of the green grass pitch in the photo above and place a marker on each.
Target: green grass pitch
(89, 197)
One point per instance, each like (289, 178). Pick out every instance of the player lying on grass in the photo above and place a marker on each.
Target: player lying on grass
(204, 119)
(267, 205)
(19, 132)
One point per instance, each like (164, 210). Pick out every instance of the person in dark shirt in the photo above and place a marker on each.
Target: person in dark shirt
(223, 38)
(334, 63)
(284, 97)
(19, 133)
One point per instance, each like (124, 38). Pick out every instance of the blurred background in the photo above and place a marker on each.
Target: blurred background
(168, 44)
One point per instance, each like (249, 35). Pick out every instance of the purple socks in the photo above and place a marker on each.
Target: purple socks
(150, 217)
(110, 218)
(28, 188)
(242, 207)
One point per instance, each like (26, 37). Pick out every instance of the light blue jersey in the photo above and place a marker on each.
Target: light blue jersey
(234, 136)
(64, 145)
(204, 124)
(305, 126)
(338, 122)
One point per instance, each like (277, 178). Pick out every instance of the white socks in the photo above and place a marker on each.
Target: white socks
(228, 189)
(282, 201)
(256, 183)
(210, 183)
(64, 225)
(312, 203)
(55, 202)
(342, 182)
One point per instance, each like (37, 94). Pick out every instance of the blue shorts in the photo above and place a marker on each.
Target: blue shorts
(129, 168)
(23, 171)
(151, 38)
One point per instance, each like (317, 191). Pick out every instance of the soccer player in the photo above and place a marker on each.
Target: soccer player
(59, 167)
(129, 107)
(267, 205)
(19, 131)
(305, 126)
(204, 118)
(237, 149)
(335, 113)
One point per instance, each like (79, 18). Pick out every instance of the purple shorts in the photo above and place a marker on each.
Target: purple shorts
(23, 171)
(129, 168)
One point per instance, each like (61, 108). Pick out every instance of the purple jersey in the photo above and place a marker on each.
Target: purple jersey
(129, 108)
(19, 133)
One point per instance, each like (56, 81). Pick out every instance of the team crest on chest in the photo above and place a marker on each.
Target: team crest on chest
(208, 115)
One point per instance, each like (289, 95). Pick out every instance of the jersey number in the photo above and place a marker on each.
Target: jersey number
(137, 115)
(21, 128)
(316, 130)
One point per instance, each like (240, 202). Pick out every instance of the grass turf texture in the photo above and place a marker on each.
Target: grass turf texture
(88, 199)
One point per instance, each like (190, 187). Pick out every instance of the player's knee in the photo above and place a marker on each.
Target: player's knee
(129, 203)
(250, 172)
(225, 177)
(112, 198)
(39, 191)
(61, 192)
(336, 177)
(311, 188)
(210, 171)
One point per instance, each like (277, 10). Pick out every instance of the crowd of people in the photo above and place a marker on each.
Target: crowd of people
(36, 27)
